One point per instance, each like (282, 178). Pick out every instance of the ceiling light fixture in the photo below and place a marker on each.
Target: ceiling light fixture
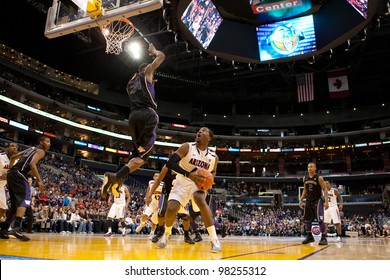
(364, 35)
(348, 45)
(217, 61)
(188, 47)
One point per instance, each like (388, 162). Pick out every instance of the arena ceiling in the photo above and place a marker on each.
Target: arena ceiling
(195, 76)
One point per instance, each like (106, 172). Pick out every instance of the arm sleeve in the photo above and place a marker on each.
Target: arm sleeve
(173, 163)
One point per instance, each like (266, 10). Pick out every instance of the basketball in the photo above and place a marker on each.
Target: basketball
(208, 180)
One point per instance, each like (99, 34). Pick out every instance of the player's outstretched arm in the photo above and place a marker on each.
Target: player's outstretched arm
(160, 57)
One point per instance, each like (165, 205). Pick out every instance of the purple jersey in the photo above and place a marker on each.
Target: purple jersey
(141, 93)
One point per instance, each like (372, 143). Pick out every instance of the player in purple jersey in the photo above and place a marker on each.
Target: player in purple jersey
(143, 120)
(314, 187)
(19, 188)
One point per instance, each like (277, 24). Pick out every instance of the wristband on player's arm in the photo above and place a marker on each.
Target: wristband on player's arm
(173, 163)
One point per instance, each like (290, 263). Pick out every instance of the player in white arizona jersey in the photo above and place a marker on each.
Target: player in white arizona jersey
(151, 209)
(118, 209)
(332, 214)
(18, 187)
(185, 162)
(4, 166)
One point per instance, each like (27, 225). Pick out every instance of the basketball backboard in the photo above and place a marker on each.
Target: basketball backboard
(62, 20)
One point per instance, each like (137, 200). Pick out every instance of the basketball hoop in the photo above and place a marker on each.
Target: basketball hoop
(116, 33)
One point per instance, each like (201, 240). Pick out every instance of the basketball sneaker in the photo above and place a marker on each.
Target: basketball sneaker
(109, 182)
(116, 189)
(18, 234)
(309, 239)
(158, 235)
(189, 240)
(4, 234)
(198, 237)
(338, 239)
(108, 234)
(162, 243)
(323, 241)
(215, 246)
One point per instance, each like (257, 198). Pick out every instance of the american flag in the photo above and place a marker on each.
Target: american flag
(305, 87)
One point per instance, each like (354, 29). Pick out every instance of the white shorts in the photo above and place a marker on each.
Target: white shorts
(332, 213)
(117, 211)
(3, 197)
(183, 194)
(152, 207)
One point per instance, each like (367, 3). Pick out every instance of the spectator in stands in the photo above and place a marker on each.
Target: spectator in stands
(75, 220)
(68, 222)
(43, 198)
(89, 227)
(67, 200)
(59, 197)
(61, 221)
(53, 216)
(386, 231)
(370, 231)
(129, 222)
(53, 202)
(80, 204)
(73, 201)
(86, 224)
(43, 219)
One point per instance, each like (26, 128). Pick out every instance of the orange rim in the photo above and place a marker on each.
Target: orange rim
(125, 20)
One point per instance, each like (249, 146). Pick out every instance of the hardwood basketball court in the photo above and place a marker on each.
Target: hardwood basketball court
(138, 247)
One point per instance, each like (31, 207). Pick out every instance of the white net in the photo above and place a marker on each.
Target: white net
(116, 33)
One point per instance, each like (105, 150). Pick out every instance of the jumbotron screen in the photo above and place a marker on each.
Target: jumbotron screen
(202, 19)
(286, 38)
(360, 5)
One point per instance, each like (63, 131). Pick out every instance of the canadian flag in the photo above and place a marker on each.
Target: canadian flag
(338, 83)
